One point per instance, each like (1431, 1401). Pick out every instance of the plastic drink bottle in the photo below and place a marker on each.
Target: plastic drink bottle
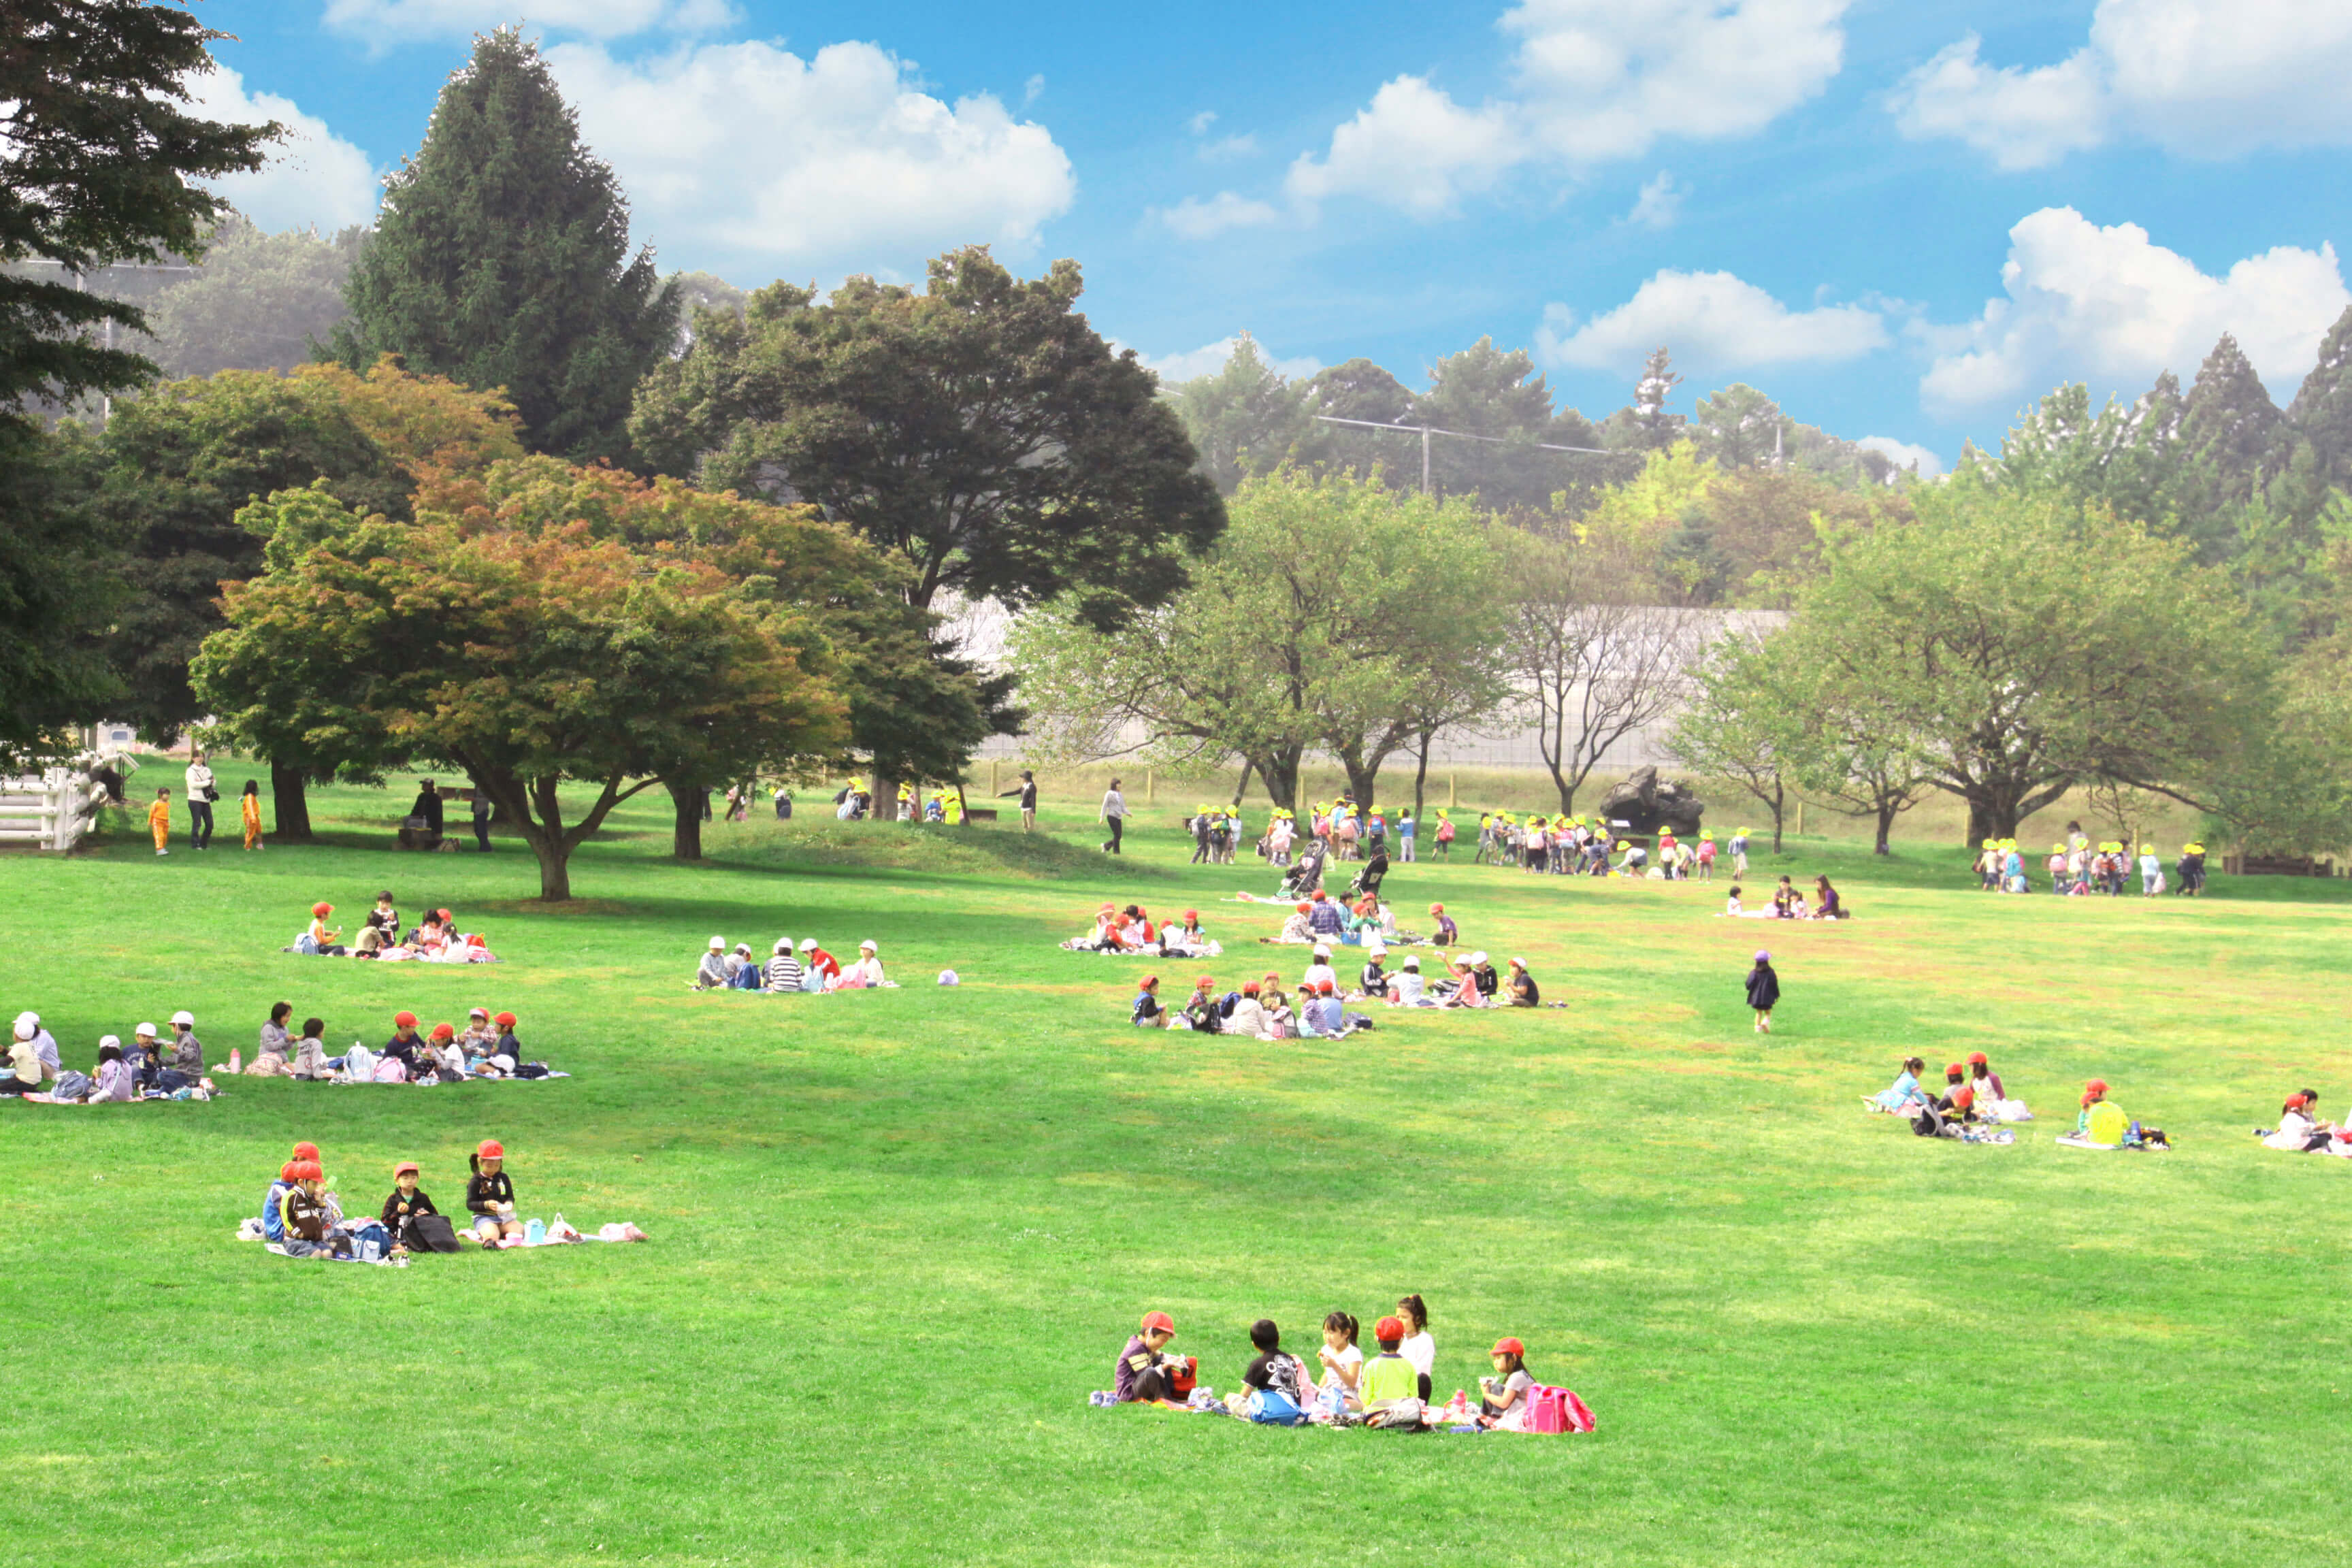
(235, 1060)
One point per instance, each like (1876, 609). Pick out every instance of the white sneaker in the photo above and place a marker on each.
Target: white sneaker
(162, 851)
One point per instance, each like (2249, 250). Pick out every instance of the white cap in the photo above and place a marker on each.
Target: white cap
(867, 946)
(23, 1030)
(808, 944)
(143, 1029)
(783, 945)
(1477, 959)
(1377, 946)
(950, 977)
(718, 944)
(185, 1016)
(479, 1013)
(1518, 964)
(29, 1017)
(1321, 951)
(1412, 961)
(106, 1040)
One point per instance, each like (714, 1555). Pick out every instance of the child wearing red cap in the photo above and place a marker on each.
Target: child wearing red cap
(407, 1202)
(1388, 1377)
(489, 1196)
(1145, 1374)
(310, 1223)
(1502, 1398)
(1447, 932)
(405, 1047)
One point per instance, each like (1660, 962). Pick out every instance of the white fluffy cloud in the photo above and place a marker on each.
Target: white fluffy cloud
(1711, 318)
(1414, 146)
(314, 176)
(1904, 454)
(383, 20)
(748, 155)
(2108, 305)
(1594, 80)
(1196, 218)
(1210, 358)
(1660, 203)
(2205, 77)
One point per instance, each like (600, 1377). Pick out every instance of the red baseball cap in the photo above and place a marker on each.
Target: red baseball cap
(1388, 1328)
(1159, 1321)
(1191, 914)
(1323, 988)
(1977, 1059)
(1508, 1345)
(444, 1032)
(306, 1150)
(308, 1171)
(492, 1149)
(290, 1172)
(406, 1168)
(322, 910)
(504, 1020)
(2096, 1086)
(1304, 906)
(1437, 909)
(404, 1020)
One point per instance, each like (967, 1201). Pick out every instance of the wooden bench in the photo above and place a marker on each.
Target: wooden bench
(2277, 866)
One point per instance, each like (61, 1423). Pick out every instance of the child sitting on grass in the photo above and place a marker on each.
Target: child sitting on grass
(1503, 1398)
(1388, 1377)
(1145, 1373)
(308, 1221)
(1447, 932)
(489, 1196)
(1343, 1361)
(1274, 1385)
(406, 1202)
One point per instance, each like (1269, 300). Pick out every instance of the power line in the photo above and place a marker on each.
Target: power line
(1426, 431)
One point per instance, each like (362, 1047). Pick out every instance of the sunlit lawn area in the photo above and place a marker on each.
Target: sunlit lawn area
(899, 1237)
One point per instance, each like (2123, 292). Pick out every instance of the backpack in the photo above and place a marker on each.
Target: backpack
(389, 1070)
(1556, 1410)
(1272, 1407)
(71, 1085)
(429, 1233)
(370, 1242)
(359, 1064)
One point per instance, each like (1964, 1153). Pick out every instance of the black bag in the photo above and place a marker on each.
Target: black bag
(429, 1233)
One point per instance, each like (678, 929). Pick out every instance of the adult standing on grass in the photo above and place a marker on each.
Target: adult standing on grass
(482, 820)
(1027, 790)
(201, 791)
(1763, 991)
(1114, 811)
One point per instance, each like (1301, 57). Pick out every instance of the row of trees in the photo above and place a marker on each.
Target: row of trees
(523, 522)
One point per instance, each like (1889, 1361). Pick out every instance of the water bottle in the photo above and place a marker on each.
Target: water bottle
(534, 1233)
(236, 1061)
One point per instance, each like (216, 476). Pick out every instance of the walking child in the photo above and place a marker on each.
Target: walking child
(159, 821)
(1763, 991)
(249, 805)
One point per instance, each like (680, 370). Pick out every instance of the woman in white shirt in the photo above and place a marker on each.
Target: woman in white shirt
(1418, 1347)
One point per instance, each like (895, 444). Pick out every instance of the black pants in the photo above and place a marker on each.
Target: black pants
(200, 822)
(1116, 823)
(1159, 1383)
(482, 833)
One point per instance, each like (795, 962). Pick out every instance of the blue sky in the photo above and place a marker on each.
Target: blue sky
(1903, 221)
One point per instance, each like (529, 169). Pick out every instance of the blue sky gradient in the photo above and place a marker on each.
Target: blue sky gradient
(1821, 220)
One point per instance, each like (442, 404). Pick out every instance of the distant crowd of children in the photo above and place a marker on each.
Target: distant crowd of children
(1392, 1388)
(1260, 1009)
(433, 938)
(301, 1217)
(807, 969)
(2078, 867)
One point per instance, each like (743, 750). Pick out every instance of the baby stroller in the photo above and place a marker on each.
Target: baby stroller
(1369, 880)
(1305, 878)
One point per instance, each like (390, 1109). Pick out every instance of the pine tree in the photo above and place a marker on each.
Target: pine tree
(2322, 411)
(2230, 433)
(501, 259)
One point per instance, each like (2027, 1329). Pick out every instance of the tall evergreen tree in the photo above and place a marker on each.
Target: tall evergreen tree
(2230, 432)
(1243, 418)
(2322, 411)
(502, 259)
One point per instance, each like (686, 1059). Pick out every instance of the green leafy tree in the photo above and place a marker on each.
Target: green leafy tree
(1739, 427)
(1330, 603)
(1497, 397)
(544, 656)
(1981, 642)
(980, 429)
(1356, 389)
(837, 603)
(259, 301)
(58, 590)
(501, 259)
(2321, 414)
(1734, 721)
(100, 165)
(1241, 418)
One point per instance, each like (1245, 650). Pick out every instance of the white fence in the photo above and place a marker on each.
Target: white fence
(51, 812)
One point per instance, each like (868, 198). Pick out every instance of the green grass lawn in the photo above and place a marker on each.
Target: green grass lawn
(899, 1237)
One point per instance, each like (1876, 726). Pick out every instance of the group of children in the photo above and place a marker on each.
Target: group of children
(807, 969)
(1391, 1388)
(151, 1067)
(485, 1050)
(2300, 1130)
(1565, 846)
(1975, 1107)
(2077, 868)
(301, 1217)
(1262, 1010)
(1788, 903)
(1131, 931)
(435, 939)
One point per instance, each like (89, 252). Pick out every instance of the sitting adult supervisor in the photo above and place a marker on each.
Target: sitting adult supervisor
(1145, 1374)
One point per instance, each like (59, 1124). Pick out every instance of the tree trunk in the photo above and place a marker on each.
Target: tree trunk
(1361, 780)
(544, 831)
(1779, 805)
(289, 805)
(1886, 826)
(885, 784)
(963, 811)
(1241, 789)
(686, 830)
(1279, 769)
(1420, 773)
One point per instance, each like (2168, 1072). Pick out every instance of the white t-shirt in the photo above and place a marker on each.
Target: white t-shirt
(1316, 974)
(1114, 804)
(2149, 865)
(1422, 1351)
(1406, 986)
(1353, 1356)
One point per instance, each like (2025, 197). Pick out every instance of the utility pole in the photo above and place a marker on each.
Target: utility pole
(1426, 431)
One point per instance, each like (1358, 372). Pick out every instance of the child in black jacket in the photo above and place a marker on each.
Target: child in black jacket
(489, 1197)
(407, 1202)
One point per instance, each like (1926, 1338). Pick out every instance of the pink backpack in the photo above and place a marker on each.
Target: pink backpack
(1556, 1410)
(389, 1070)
